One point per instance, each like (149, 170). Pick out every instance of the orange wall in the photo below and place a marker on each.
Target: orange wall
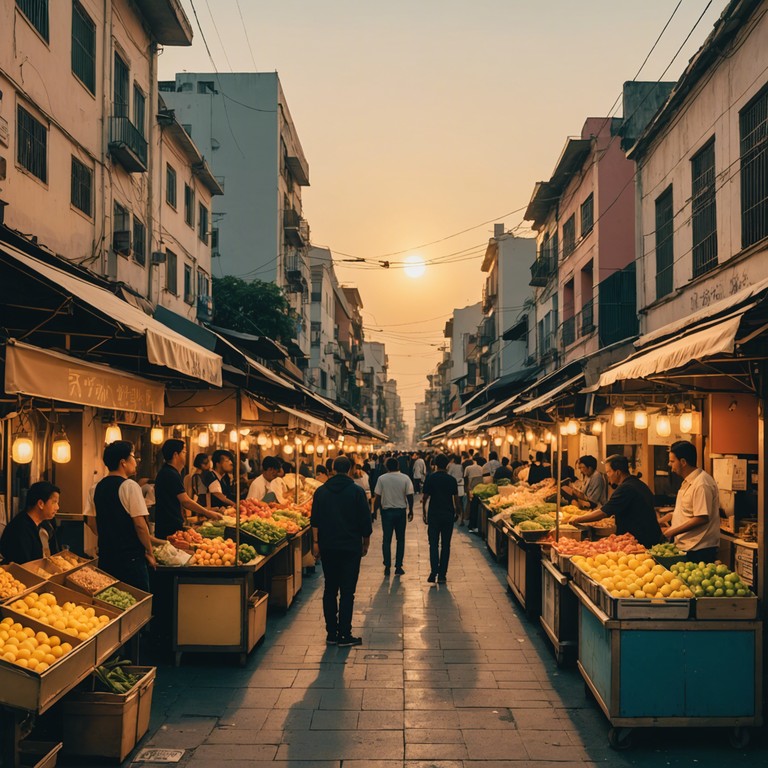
(733, 431)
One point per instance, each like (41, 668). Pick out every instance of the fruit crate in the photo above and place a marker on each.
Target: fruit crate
(131, 619)
(38, 754)
(661, 608)
(585, 583)
(726, 608)
(261, 546)
(29, 580)
(109, 581)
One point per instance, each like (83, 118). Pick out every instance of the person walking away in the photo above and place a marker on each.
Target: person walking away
(404, 463)
(473, 475)
(695, 522)
(440, 509)
(394, 491)
(504, 472)
(419, 472)
(492, 464)
(361, 479)
(631, 504)
(31, 534)
(218, 482)
(264, 484)
(341, 535)
(117, 514)
(170, 496)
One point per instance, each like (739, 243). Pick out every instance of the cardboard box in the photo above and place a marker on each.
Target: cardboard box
(108, 724)
(257, 618)
(745, 559)
(281, 591)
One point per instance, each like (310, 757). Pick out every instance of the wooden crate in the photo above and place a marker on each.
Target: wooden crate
(281, 591)
(134, 618)
(29, 580)
(257, 618)
(726, 607)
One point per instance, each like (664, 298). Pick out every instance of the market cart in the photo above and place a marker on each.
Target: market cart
(496, 538)
(524, 572)
(671, 672)
(559, 612)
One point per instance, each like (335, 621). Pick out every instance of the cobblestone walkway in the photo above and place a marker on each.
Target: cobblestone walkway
(450, 676)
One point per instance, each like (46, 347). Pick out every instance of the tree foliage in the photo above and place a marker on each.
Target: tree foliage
(253, 307)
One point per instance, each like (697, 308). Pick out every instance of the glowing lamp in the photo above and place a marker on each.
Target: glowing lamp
(686, 422)
(297, 440)
(61, 450)
(510, 439)
(245, 445)
(619, 416)
(597, 427)
(156, 435)
(563, 429)
(245, 431)
(309, 449)
(218, 427)
(529, 436)
(233, 436)
(484, 443)
(572, 427)
(497, 441)
(275, 441)
(663, 425)
(22, 450)
(287, 449)
(113, 433)
(320, 449)
(203, 439)
(640, 418)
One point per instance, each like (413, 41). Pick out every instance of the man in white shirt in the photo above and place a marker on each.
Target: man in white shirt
(419, 471)
(393, 492)
(263, 484)
(473, 475)
(695, 525)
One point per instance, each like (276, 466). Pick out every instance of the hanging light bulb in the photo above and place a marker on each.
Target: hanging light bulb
(233, 436)
(510, 439)
(218, 427)
(686, 422)
(619, 416)
(287, 449)
(262, 439)
(245, 431)
(563, 428)
(245, 446)
(203, 439)
(113, 433)
(22, 449)
(547, 437)
(597, 427)
(61, 450)
(320, 449)
(275, 441)
(640, 417)
(529, 436)
(358, 448)
(484, 443)
(497, 441)
(297, 440)
(572, 427)
(663, 425)
(309, 449)
(156, 434)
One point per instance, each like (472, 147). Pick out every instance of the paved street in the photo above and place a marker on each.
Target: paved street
(451, 676)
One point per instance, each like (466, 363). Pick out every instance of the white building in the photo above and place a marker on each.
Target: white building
(324, 347)
(374, 373)
(242, 123)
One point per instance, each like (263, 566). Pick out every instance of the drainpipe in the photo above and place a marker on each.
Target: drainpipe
(106, 44)
(640, 289)
(151, 165)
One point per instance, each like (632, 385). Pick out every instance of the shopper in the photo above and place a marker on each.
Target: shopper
(263, 486)
(117, 514)
(540, 469)
(31, 534)
(695, 523)
(457, 473)
(393, 492)
(440, 509)
(419, 472)
(504, 472)
(170, 496)
(631, 504)
(492, 464)
(361, 479)
(473, 475)
(321, 473)
(341, 535)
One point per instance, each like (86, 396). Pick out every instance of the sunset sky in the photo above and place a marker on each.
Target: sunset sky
(426, 118)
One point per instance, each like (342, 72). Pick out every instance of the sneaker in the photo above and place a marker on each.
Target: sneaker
(471, 530)
(431, 578)
(345, 642)
(399, 570)
(441, 579)
(331, 639)
(386, 571)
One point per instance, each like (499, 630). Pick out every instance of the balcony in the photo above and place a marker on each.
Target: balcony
(542, 269)
(127, 145)
(296, 229)
(580, 325)
(568, 331)
(489, 296)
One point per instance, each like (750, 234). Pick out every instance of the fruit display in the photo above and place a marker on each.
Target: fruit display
(625, 544)
(485, 490)
(522, 495)
(530, 525)
(266, 530)
(91, 580)
(711, 580)
(252, 509)
(69, 618)
(64, 561)
(117, 597)
(9, 586)
(246, 553)
(114, 678)
(605, 522)
(185, 539)
(632, 576)
(214, 552)
(301, 520)
(210, 530)
(666, 550)
(26, 648)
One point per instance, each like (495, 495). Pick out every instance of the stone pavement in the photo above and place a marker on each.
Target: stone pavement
(450, 676)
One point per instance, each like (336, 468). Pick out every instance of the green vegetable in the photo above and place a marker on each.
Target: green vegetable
(264, 530)
(485, 490)
(117, 597)
(114, 678)
(211, 531)
(502, 481)
(530, 525)
(246, 553)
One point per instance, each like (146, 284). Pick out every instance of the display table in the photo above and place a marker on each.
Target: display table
(671, 673)
(497, 539)
(524, 573)
(559, 612)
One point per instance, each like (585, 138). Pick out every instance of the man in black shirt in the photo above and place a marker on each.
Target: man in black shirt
(30, 533)
(440, 509)
(170, 496)
(217, 481)
(341, 533)
(631, 504)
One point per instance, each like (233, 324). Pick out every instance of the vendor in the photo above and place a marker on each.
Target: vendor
(217, 481)
(631, 504)
(593, 489)
(170, 496)
(31, 535)
(503, 472)
(264, 484)
(540, 469)
(695, 523)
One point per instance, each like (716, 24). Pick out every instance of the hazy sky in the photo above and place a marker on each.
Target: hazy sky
(425, 118)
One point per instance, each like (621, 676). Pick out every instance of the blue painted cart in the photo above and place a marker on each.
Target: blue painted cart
(671, 672)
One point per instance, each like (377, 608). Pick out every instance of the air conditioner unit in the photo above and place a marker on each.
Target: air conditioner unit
(205, 309)
(158, 257)
(121, 241)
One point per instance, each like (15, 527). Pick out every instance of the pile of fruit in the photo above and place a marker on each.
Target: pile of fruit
(711, 580)
(666, 550)
(70, 618)
(114, 678)
(26, 648)
(246, 553)
(9, 586)
(214, 552)
(637, 576)
(90, 580)
(625, 544)
(301, 520)
(252, 509)
(185, 539)
(605, 522)
(117, 597)
(209, 530)
(523, 496)
(266, 530)
(64, 561)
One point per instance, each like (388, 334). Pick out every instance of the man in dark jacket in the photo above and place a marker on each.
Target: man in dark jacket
(30, 535)
(341, 534)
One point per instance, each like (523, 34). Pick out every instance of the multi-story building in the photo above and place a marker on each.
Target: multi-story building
(373, 369)
(394, 424)
(349, 346)
(459, 331)
(85, 151)
(324, 349)
(241, 121)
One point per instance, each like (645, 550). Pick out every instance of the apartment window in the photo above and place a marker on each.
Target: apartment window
(203, 284)
(315, 334)
(189, 289)
(189, 205)
(587, 215)
(31, 144)
(139, 241)
(215, 239)
(206, 86)
(171, 273)
(753, 131)
(37, 13)
(569, 236)
(323, 379)
(121, 232)
(139, 109)
(120, 88)
(170, 186)
(202, 223)
(664, 243)
(83, 47)
(82, 187)
(704, 213)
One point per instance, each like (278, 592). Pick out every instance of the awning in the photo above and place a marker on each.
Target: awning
(211, 406)
(547, 398)
(53, 375)
(676, 352)
(165, 347)
(319, 425)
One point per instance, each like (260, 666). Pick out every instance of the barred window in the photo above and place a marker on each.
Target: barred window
(120, 88)
(587, 215)
(139, 109)
(569, 236)
(664, 243)
(202, 224)
(82, 187)
(203, 284)
(83, 47)
(171, 273)
(704, 211)
(189, 288)
(37, 13)
(189, 205)
(753, 129)
(31, 144)
(170, 186)
(139, 241)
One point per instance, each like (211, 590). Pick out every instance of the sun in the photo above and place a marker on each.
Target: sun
(415, 266)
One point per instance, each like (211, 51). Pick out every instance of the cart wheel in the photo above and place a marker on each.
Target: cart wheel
(620, 738)
(739, 737)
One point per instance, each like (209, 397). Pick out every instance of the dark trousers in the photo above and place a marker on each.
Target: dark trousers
(439, 532)
(474, 512)
(341, 570)
(134, 571)
(706, 555)
(393, 520)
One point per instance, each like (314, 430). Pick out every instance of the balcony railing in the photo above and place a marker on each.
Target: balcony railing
(127, 145)
(568, 331)
(580, 325)
(542, 269)
(617, 300)
(296, 229)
